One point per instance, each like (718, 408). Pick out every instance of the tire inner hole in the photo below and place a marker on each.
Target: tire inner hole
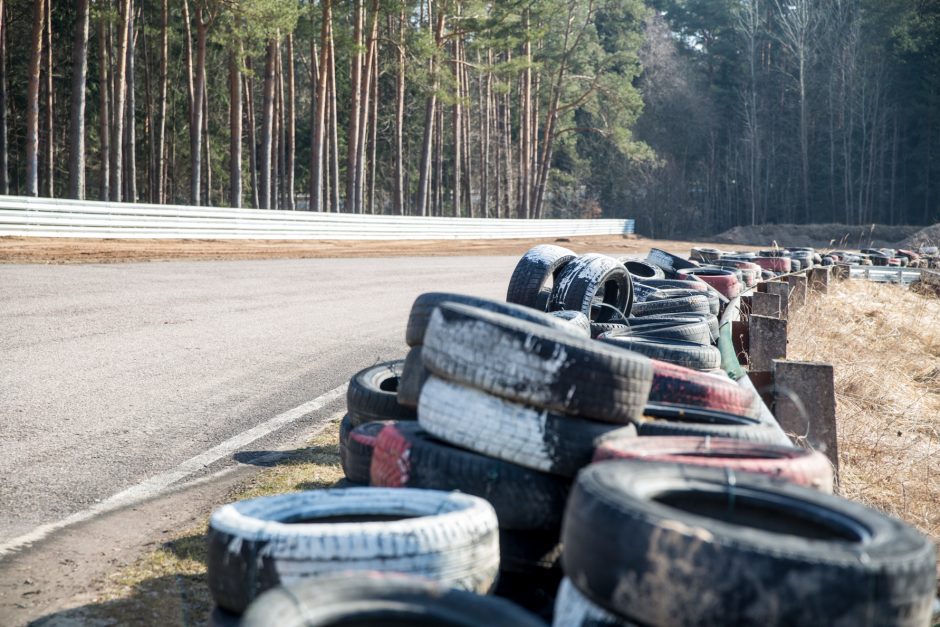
(785, 518)
(346, 518)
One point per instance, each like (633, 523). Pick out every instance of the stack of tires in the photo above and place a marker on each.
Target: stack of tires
(510, 410)
(660, 543)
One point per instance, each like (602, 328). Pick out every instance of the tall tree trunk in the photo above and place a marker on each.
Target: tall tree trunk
(207, 148)
(130, 152)
(235, 126)
(484, 88)
(375, 132)
(77, 122)
(429, 116)
(457, 126)
(4, 154)
(104, 114)
(32, 100)
(161, 123)
(334, 128)
(319, 106)
(120, 92)
(267, 125)
(365, 109)
(277, 147)
(252, 135)
(50, 108)
(355, 115)
(525, 126)
(400, 117)
(196, 118)
(291, 131)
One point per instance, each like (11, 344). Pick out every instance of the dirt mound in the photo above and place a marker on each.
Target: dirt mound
(818, 235)
(929, 236)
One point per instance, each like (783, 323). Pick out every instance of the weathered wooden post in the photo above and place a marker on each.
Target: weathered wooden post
(763, 304)
(819, 280)
(805, 405)
(768, 341)
(781, 289)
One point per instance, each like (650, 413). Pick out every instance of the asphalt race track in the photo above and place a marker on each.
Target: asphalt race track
(113, 374)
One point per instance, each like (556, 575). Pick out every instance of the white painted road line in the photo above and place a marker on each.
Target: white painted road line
(153, 486)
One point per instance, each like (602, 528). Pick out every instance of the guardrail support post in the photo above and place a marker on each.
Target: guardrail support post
(763, 304)
(798, 285)
(842, 271)
(781, 289)
(768, 341)
(819, 279)
(805, 405)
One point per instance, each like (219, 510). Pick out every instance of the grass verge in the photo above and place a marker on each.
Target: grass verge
(884, 344)
(168, 585)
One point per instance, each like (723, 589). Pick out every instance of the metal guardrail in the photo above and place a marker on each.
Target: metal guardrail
(24, 216)
(884, 274)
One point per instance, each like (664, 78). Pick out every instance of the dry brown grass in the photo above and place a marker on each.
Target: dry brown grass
(168, 586)
(884, 344)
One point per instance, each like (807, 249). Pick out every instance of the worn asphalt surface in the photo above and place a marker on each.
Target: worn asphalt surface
(111, 374)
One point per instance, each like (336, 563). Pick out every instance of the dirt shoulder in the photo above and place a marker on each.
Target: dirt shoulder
(57, 250)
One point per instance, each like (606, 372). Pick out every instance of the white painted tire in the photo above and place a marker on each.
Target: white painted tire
(523, 435)
(573, 609)
(255, 544)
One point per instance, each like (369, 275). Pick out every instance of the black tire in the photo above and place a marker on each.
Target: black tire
(697, 546)
(692, 355)
(668, 262)
(533, 270)
(684, 329)
(537, 366)
(355, 454)
(373, 394)
(257, 544)
(698, 303)
(682, 284)
(709, 318)
(530, 569)
(413, 376)
(596, 285)
(643, 292)
(668, 420)
(642, 270)
(380, 599)
(598, 328)
(345, 428)
(425, 304)
(534, 438)
(576, 318)
(714, 297)
(407, 456)
(573, 609)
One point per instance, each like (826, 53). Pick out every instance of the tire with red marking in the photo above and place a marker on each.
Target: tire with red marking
(532, 272)
(667, 421)
(780, 265)
(725, 281)
(406, 456)
(356, 453)
(540, 367)
(675, 386)
(797, 465)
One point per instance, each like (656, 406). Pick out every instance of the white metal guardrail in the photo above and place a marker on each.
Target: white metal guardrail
(48, 217)
(885, 274)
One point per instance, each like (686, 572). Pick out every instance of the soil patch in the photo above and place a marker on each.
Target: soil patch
(823, 236)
